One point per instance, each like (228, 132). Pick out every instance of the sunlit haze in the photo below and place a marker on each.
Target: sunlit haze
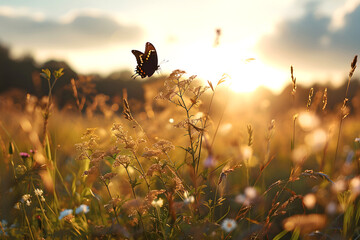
(317, 37)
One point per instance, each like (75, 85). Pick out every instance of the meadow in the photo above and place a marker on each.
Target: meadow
(193, 161)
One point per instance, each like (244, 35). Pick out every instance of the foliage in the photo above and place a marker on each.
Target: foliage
(196, 171)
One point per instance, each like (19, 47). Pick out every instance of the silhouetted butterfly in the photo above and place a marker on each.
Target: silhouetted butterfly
(147, 61)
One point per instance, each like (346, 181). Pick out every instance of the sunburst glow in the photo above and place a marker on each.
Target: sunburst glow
(250, 75)
(246, 72)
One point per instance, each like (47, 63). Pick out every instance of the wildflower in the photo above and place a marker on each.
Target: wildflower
(65, 213)
(108, 176)
(149, 152)
(82, 209)
(20, 169)
(228, 225)
(24, 155)
(357, 140)
(123, 160)
(17, 206)
(155, 168)
(164, 145)
(188, 199)
(26, 199)
(157, 203)
(38, 192)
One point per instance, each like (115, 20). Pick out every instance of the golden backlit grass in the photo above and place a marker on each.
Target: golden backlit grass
(197, 163)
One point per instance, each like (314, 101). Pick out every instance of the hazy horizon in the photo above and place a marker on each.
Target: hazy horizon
(319, 38)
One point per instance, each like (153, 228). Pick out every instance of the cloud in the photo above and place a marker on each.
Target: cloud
(82, 32)
(311, 44)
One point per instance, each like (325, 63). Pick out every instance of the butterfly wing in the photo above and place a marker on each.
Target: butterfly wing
(138, 55)
(150, 64)
(147, 61)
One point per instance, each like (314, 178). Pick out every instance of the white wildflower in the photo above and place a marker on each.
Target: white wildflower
(187, 198)
(82, 209)
(65, 213)
(26, 199)
(228, 225)
(38, 192)
(157, 202)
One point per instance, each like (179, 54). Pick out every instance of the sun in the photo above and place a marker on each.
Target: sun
(249, 75)
(245, 70)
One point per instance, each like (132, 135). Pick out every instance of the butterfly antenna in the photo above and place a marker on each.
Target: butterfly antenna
(163, 62)
(134, 76)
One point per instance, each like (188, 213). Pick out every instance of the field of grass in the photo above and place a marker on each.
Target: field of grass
(199, 162)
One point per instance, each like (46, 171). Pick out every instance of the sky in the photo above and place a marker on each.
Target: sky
(319, 38)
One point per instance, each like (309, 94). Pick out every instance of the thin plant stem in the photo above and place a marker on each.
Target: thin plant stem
(42, 208)
(293, 132)
(133, 191)
(142, 171)
(343, 108)
(221, 117)
(114, 208)
(161, 225)
(212, 209)
(202, 133)
(28, 223)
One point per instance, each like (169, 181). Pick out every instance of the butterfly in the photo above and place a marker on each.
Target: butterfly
(147, 61)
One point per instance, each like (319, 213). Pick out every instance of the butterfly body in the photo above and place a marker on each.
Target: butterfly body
(147, 62)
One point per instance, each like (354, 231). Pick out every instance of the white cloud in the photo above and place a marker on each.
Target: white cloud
(310, 46)
(338, 17)
(77, 30)
(11, 12)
